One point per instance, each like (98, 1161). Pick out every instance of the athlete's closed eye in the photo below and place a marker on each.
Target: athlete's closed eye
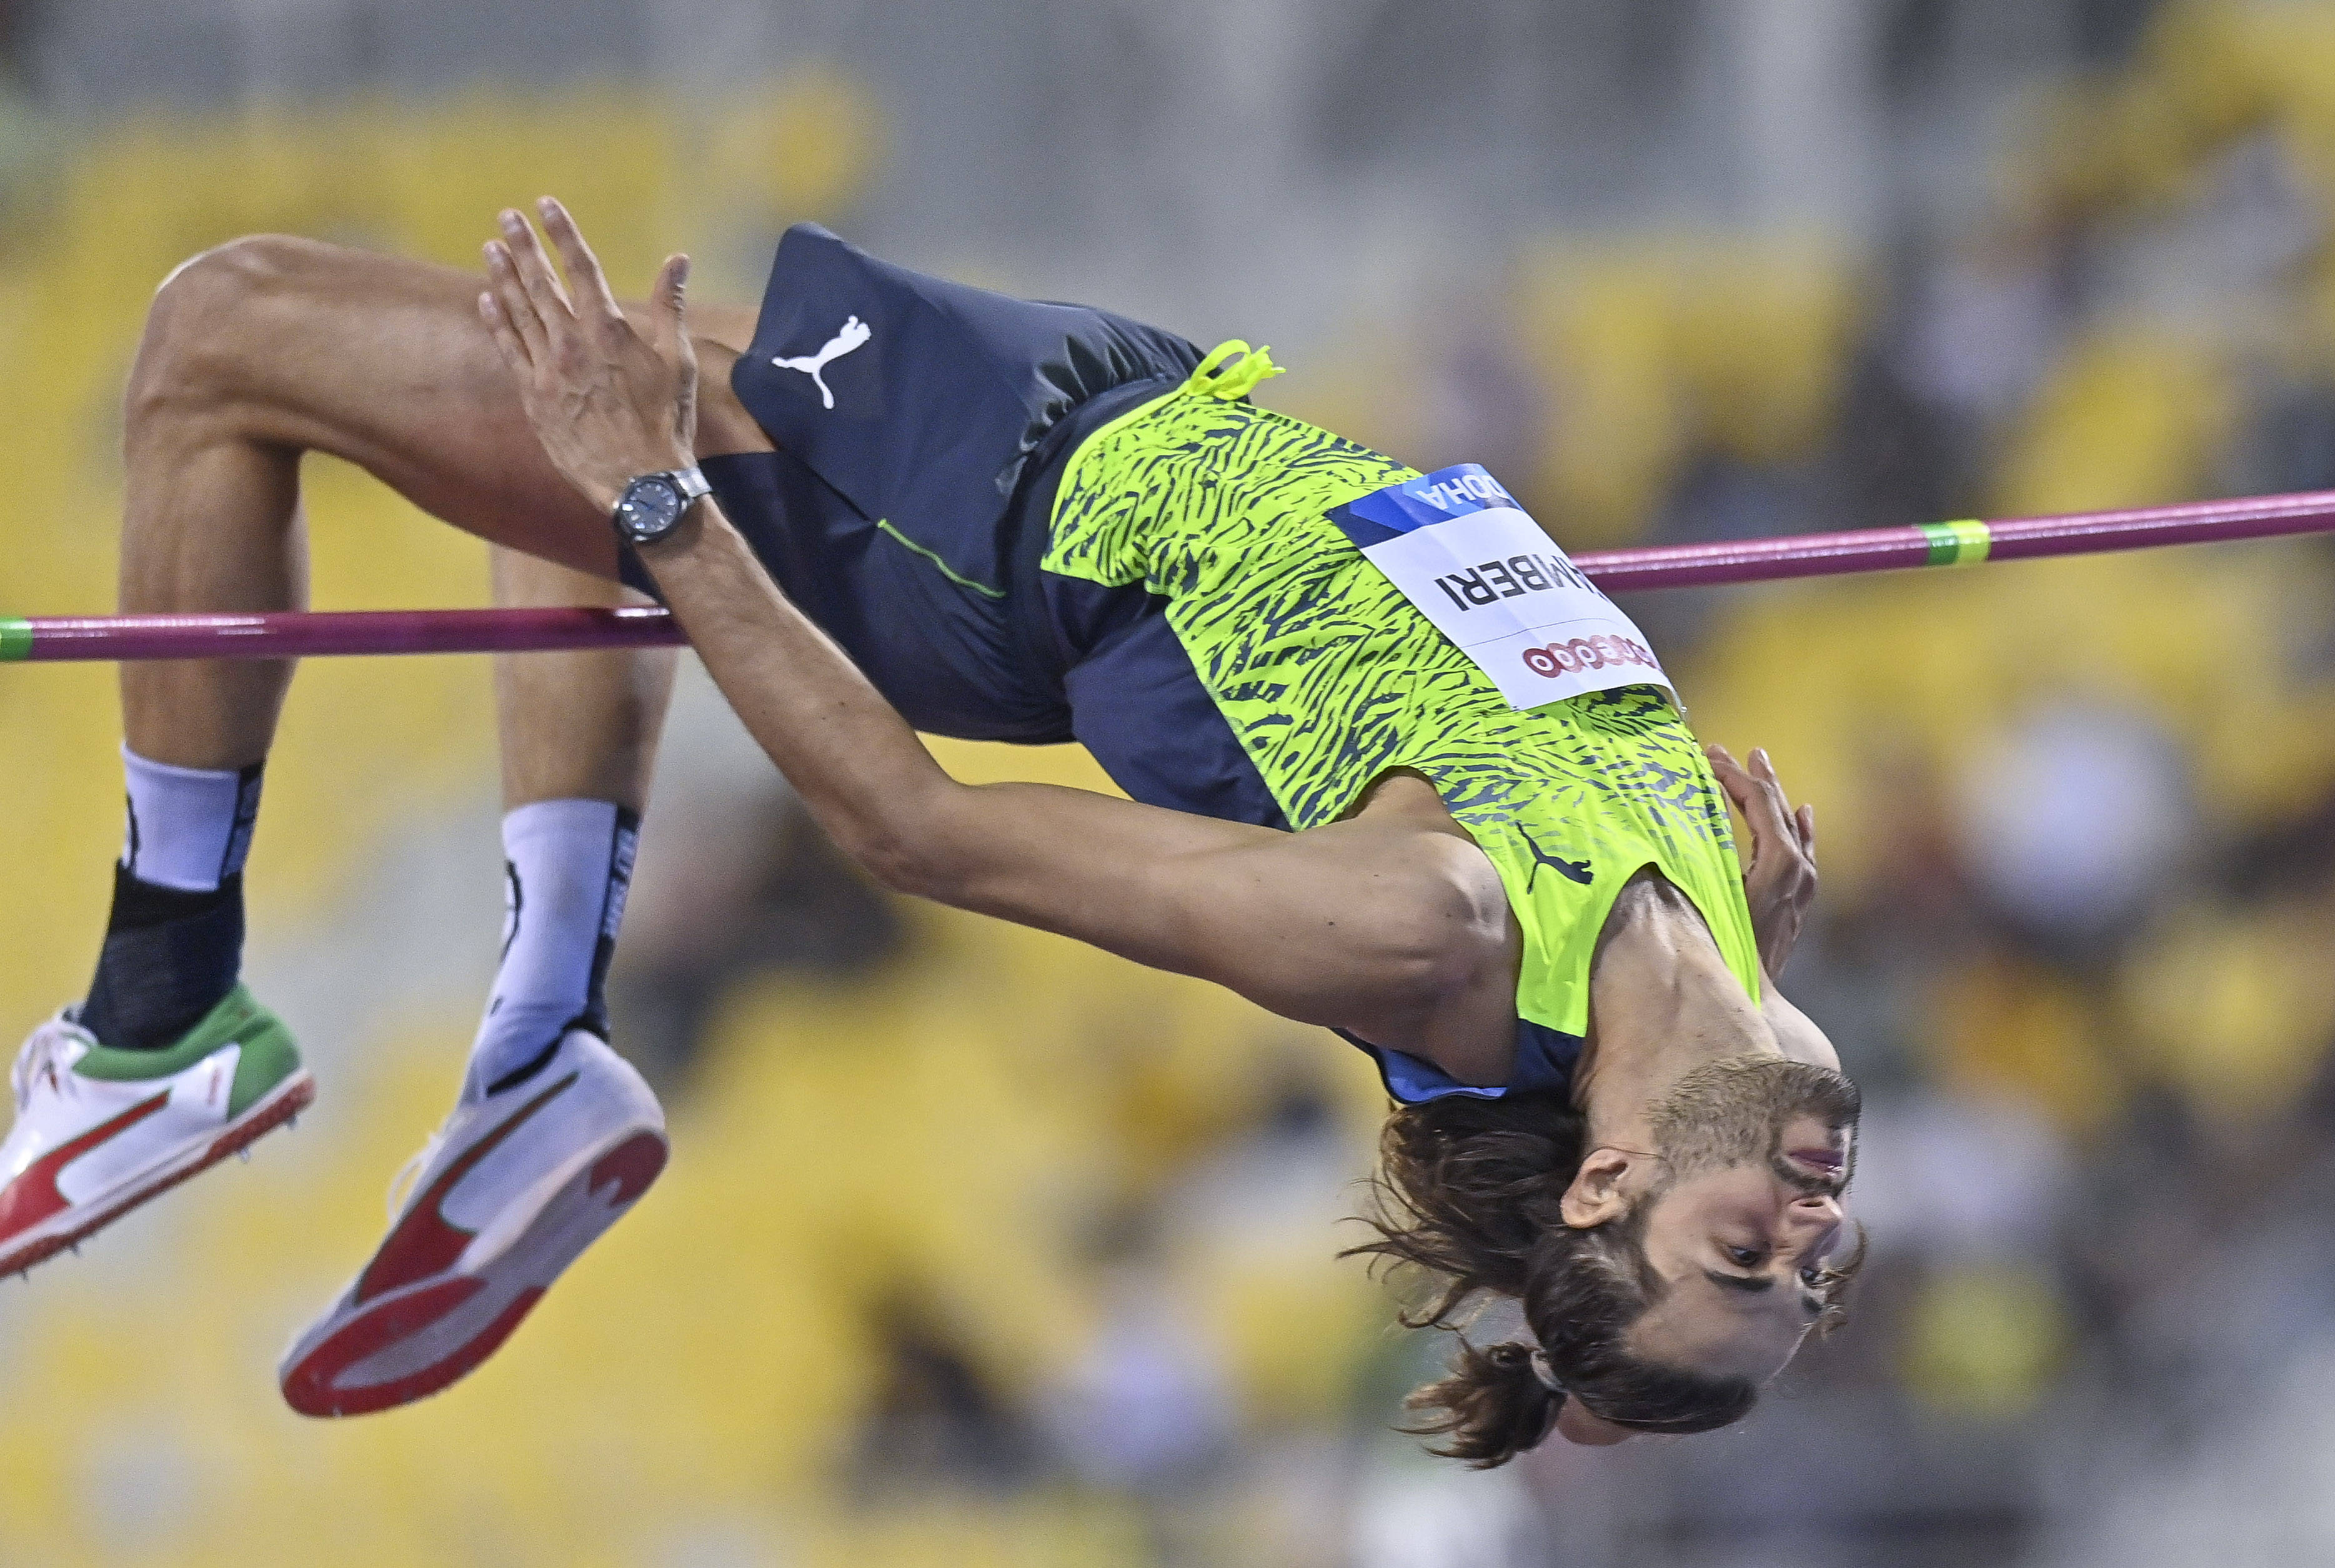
(1811, 1303)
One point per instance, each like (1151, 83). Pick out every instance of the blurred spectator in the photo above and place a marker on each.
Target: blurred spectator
(2075, 824)
(1145, 1407)
(937, 1423)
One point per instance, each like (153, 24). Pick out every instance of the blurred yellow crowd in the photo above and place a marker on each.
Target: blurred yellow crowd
(948, 1144)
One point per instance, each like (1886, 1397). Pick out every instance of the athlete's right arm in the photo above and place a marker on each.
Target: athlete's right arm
(1399, 935)
(1360, 924)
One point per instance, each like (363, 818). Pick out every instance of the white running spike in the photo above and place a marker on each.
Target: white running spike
(244, 1154)
(573, 1147)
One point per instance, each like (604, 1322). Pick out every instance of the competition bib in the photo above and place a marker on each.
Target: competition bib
(1461, 550)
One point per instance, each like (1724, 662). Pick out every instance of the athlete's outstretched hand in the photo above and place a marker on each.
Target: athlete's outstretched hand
(1781, 881)
(608, 402)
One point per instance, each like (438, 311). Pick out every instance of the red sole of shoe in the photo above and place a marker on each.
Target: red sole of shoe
(310, 1388)
(288, 1103)
(312, 1384)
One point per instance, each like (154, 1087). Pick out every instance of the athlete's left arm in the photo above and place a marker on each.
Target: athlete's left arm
(1779, 884)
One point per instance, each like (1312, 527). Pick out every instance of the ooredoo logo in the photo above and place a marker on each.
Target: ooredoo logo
(1597, 652)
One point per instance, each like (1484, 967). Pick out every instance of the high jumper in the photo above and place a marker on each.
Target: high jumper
(1396, 767)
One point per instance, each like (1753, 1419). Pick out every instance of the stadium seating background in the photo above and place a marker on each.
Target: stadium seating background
(882, 1307)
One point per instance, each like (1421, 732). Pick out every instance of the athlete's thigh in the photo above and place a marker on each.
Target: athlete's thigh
(384, 362)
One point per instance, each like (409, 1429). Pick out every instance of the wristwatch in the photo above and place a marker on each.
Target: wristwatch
(654, 504)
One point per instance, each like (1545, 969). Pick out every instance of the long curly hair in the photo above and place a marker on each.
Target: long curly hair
(1467, 1194)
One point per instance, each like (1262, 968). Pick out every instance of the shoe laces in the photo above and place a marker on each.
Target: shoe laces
(401, 1185)
(49, 1055)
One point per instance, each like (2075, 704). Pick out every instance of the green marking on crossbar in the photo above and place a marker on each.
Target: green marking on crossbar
(1961, 543)
(15, 638)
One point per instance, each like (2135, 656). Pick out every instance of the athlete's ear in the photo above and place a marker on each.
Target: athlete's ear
(1601, 1189)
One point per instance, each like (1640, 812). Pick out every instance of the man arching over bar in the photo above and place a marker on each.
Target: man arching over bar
(1396, 770)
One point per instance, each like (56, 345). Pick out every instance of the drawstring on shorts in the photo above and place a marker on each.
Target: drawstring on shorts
(1231, 370)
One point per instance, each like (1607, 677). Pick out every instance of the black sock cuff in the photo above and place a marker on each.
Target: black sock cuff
(156, 981)
(140, 904)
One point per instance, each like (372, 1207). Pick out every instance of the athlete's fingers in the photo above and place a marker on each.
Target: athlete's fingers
(1771, 787)
(533, 267)
(506, 341)
(1806, 820)
(518, 306)
(1767, 794)
(1738, 785)
(510, 297)
(1727, 770)
(1783, 860)
(587, 285)
(533, 264)
(667, 307)
(1744, 791)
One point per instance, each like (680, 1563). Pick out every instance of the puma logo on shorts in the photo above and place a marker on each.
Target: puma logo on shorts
(850, 335)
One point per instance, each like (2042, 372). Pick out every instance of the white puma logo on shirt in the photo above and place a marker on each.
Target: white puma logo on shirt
(853, 332)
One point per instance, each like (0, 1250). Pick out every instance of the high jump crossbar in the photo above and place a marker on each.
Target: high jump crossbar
(304, 633)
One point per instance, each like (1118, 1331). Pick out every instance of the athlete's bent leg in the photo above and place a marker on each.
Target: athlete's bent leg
(254, 353)
(263, 350)
(576, 1137)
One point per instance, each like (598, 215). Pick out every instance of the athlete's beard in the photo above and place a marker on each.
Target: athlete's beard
(1733, 1111)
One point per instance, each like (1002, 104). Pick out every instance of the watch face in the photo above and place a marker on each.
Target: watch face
(650, 508)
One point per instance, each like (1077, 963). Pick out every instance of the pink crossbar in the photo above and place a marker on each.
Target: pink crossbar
(307, 634)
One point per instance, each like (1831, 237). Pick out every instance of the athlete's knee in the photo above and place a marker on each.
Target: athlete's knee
(208, 321)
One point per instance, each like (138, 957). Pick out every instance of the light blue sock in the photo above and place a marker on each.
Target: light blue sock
(566, 865)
